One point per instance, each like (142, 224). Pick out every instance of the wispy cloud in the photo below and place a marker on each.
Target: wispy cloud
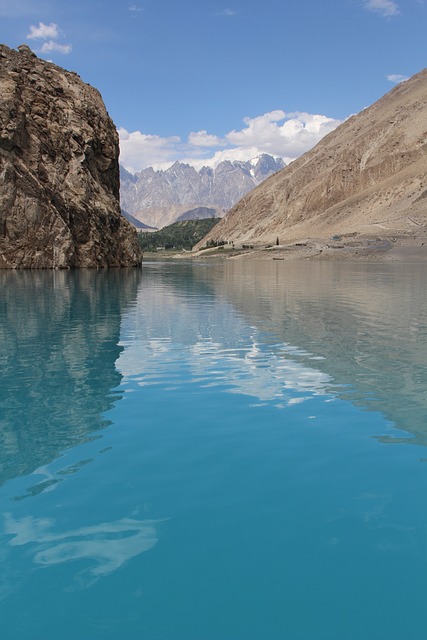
(385, 8)
(226, 12)
(397, 78)
(277, 133)
(50, 46)
(135, 8)
(204, 139)
(43, 31)
(21, 8)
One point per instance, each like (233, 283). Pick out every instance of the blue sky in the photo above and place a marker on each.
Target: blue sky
(204, 80)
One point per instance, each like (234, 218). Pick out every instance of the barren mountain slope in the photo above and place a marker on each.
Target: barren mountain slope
(368, 176)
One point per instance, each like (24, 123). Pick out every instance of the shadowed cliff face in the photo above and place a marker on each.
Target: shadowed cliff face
(59, 335)
(59, 172)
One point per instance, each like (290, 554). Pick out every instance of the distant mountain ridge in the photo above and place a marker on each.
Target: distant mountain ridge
(367, 177)
(136, 223)
(181, 192)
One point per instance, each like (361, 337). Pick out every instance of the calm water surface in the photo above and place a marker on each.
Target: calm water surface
(219, 451)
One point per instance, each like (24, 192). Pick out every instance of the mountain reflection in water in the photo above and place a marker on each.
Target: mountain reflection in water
(368, 323)
(358, 330)
(59, 335)
(241, 492)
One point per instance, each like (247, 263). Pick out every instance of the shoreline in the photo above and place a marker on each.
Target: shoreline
(354, 246)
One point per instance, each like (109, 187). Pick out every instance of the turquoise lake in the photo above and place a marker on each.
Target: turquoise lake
(214, 451)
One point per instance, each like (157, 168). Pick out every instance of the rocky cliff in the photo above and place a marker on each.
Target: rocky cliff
(59, 172)
(159, 198)
(369, 177)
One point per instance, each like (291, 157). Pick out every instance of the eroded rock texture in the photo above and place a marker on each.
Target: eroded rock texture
(59, 172)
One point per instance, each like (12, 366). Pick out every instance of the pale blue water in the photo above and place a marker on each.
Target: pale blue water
(219, 451)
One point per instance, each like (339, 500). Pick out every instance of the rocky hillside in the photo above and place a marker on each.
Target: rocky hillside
(159, 198)
(59, 172)
(369, 177)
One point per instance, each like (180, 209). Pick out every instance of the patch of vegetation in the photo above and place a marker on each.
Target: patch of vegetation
(178, 236)
(213, 243)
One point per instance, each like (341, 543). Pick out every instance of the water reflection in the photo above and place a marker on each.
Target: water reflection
(59, 335)
(275, 330)
(183, 331)
(105, 547)
(319, 508)
(367, 323)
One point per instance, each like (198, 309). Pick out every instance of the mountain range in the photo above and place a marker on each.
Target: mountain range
(367, 177)
(158, 198)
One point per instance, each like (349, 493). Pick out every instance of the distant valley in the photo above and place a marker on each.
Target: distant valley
(178, 236)
(159, 198)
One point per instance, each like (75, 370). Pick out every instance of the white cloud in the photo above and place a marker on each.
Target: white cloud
(138, 150)
(43, 31)
(277, 133)
(135, 8)
(49, 33)
(242, 154)
(397, 78)
(283, 134)
(50, 46)
(385, 8)
(204, 139)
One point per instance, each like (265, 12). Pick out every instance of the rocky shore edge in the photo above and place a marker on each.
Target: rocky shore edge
(353, 246)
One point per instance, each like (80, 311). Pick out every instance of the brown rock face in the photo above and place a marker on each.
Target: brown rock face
(59, 172)
(369, 176)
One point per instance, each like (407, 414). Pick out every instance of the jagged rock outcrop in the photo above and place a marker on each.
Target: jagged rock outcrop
(159, 198)
(369, 177)
(59, 172)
